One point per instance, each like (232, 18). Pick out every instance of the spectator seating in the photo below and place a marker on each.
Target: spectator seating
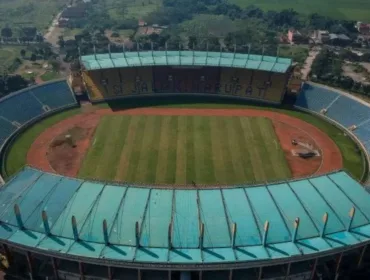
(343, 109)
(21, 107)
(259, 84)
(355, 112)
(54, 95)
(276, 88)
(6, 129)
(93, 80)
(315, 98)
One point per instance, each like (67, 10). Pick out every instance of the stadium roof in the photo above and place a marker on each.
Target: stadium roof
(185, 58)
(154, 209)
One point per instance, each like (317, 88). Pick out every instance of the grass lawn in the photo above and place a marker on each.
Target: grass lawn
(297, 53)
(8, 54)
(49, 75)
(358, 10)
(20, 13)
(17, 156)
(182, 149)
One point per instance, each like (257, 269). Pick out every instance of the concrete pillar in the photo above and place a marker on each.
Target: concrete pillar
(138, 274)
(339, 261)
(81, 269)
(8, 254)
(29, 263)
(361, 257)
(288, 270)
(200, 275)
(260, 273)
(55, 267)
(231, 274)
(110, 273)
(313, 271)
(169, 275)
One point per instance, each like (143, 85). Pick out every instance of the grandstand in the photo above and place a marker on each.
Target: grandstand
(343, 109)
(242, 75)
(121, 227)
(24, 106)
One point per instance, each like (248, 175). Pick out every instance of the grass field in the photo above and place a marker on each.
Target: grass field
(353, 161)
(338, 9)
(182, 149)
(7, 56)
(20, 13)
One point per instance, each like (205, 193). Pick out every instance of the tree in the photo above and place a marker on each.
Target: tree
(33, 57)
(55, 64)
(192, 42)
(23, 52)
(6, 32)
(61, 42)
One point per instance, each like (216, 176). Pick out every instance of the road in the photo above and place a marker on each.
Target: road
(308, 63)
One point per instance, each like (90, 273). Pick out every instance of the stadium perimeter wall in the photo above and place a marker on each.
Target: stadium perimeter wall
(5, 147)
(206, 95)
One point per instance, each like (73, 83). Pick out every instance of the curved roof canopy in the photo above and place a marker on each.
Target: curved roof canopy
(134, 225)
(186, 58)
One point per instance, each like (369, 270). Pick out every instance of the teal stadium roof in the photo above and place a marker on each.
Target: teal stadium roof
(185, 58)
(155, 209)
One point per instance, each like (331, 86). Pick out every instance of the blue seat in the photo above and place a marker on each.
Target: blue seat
(54, 95)
(20, 107)
(6, 129)
(315, 98)
(348, 111)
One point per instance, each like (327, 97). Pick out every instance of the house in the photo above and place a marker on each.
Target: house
(320, 36)
(363, 28)
(295, 37)
(339, 39)
(142, 23)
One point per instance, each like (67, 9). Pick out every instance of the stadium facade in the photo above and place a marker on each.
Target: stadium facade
(56, 227)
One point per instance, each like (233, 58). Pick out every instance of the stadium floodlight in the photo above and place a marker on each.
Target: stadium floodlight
(296, 225)
(352, 213)
(325, 222)
(74, 228)
(45, 221)
(18, 216)
(266, 229)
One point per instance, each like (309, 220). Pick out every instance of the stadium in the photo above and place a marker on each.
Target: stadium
(184, 165)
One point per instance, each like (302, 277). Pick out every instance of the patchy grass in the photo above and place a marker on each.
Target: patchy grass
(38, 13)
(297, 53)
(338, 9)
(49, 75)
(8, 54)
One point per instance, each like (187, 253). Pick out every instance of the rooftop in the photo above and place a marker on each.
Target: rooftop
(185, 58)
(132, 225)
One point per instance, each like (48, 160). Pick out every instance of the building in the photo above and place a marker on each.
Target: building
(363, 28)
(339, 39)
(321, 36)
(295, 37)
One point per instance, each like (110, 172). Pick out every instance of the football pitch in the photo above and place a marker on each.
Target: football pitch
(185, 149)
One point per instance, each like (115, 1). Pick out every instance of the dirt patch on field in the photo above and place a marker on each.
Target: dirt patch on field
(54, 153)
(66, 159)
(67, 150)
(299, 166)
